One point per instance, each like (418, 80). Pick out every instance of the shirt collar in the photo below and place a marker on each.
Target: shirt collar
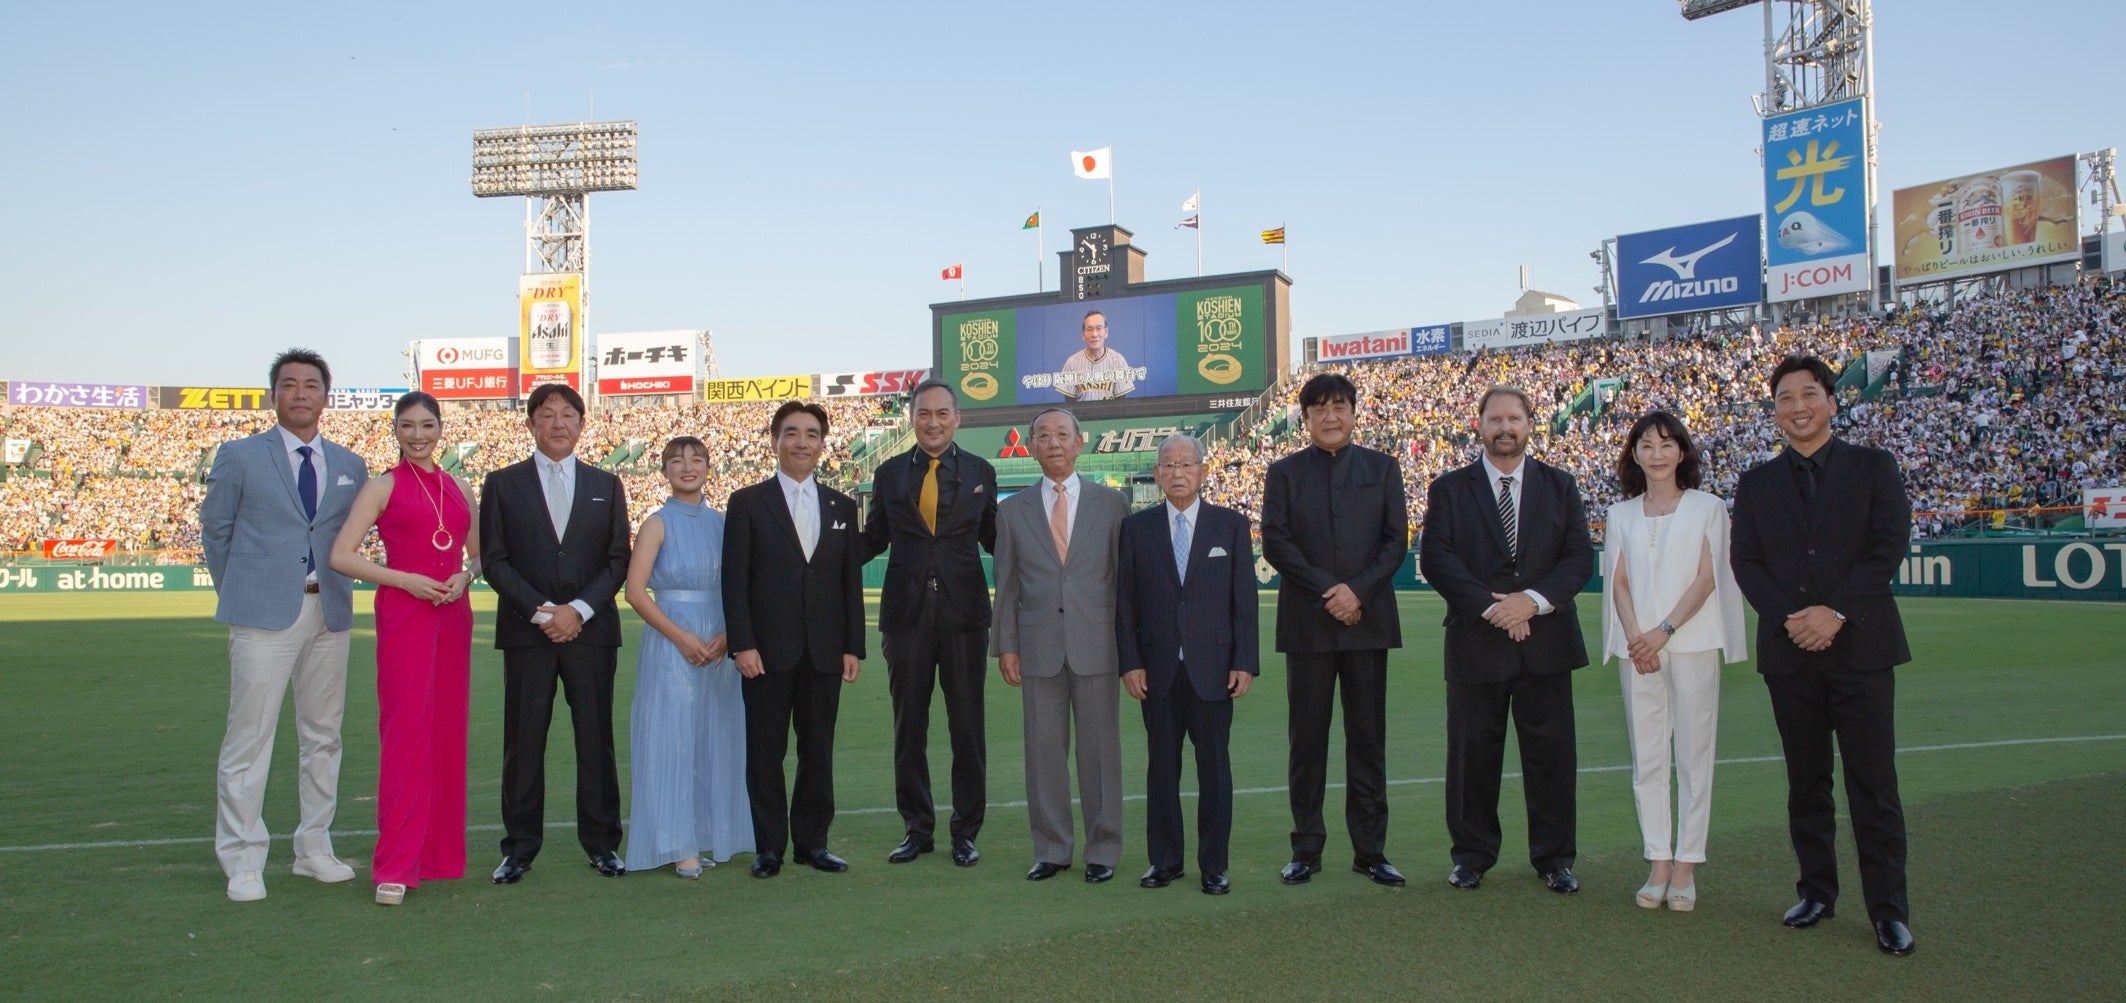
(791, 487)
(292, 442)
(1194, 507)
(1070, 485)
(566, 464)
(1495, 473)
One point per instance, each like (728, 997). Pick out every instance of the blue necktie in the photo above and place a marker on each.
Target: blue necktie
(306, 488)
(1181, 546)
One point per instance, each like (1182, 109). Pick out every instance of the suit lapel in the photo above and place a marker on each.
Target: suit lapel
(278, 450)
(578, 508)
(1535, 504)
(1487, 505)
(1790, 493)
(1832, 481)
(789, 519)
(1199, 540)
(1036, 519)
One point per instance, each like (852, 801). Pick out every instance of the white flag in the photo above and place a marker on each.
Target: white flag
(1094, 164)
(1194, 202)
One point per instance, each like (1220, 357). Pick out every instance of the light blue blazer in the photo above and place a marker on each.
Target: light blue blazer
(255, 537)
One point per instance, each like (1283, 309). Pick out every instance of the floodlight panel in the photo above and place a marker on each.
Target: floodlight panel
(554, 159)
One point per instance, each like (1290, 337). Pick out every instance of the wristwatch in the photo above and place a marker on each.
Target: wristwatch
(1667, 627)
(1840, 616)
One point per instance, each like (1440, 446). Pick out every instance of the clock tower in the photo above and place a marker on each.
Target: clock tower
(1101, 262)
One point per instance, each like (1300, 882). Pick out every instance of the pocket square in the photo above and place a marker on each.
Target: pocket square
(343, 481)
(597, 499)
(978, 488)
(838, 524)
(1217, 552)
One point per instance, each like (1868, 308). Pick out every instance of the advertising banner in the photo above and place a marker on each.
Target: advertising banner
(44, 393)
(78, 550)
(759, 388)
(648, 362)
(1206, 341)
(464, 368)
(1816, 202)
(18, 450)
(214, 399)
(1432, 339)
(365, 398)
(1685, 269)
(1370, 345)
(874, 384)
(549, 324)
(2104, 507)
(2010, 218)
(2114, 255)
(1534, 329)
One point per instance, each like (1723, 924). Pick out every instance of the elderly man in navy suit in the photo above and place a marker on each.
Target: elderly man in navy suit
(274, 503)
(1185, 627)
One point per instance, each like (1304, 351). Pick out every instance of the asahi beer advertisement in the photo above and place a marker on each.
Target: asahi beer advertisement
(550, 308)
(1989, 222)
(1204, 341)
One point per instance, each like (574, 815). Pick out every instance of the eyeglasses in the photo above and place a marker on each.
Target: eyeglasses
(1179, 466)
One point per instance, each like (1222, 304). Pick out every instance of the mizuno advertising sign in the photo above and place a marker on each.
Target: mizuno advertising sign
(1685, 269)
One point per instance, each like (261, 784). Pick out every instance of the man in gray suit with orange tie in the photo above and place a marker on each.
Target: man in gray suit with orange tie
(274, 503)
(1054, 638)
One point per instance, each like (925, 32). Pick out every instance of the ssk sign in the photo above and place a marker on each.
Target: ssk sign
(897, 381)
(1685, 269)
(78, 550)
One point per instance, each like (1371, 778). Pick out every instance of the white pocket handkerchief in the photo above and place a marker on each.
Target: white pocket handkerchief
(598, 499)
(1217, 552)
(978, 488)
(343, 481)
(838, 524)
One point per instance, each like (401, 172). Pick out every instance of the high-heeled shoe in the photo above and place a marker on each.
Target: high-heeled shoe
(1683, 899)
(390, 893)
(688, 872)
(1651, 896)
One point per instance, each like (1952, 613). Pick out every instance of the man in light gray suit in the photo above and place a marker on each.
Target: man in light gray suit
(274, 503)
(1054, 638)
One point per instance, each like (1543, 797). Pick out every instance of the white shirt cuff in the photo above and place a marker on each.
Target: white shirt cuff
(1542, 605)
(583, 609)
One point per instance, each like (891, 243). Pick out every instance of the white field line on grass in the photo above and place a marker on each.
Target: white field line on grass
(570, 824)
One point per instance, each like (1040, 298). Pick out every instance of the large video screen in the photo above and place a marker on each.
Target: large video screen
(1212, 346)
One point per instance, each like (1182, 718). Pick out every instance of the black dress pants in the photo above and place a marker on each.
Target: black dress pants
(1541, 708)
(585, 674)
(1208, 725)
(1311, 683)
(918, 660)
(1821, 700)
(807, 700)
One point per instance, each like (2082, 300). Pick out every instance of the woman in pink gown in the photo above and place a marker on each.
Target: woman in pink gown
(423, 650)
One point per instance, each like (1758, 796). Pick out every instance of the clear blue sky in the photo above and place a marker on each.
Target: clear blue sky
(193, 189)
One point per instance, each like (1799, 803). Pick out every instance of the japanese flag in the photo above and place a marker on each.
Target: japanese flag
(1094, 164)
(951, 272)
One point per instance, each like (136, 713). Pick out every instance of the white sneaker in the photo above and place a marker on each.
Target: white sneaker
(326, 868)
(247, 886)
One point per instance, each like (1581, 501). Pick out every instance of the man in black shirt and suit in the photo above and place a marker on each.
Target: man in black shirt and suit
(793, 594)
(554, 545)
(1505, 544)
(1818, 534)
(1335, 527)
(935, 506)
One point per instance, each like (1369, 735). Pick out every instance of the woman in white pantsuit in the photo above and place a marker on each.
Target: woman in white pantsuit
(1672, 613)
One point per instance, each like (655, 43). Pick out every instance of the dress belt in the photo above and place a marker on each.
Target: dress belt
(683, 595)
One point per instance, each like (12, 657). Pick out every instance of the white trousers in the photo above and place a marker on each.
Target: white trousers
(262, 666)
(1682, 701)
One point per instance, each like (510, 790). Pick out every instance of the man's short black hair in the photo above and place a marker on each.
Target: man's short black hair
(1325, 387)
(929, 384)
(543, 391)
(789, 408)
(1804, 364)
(301, 356)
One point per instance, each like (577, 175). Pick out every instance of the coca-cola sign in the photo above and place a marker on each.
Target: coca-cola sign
(78, 550)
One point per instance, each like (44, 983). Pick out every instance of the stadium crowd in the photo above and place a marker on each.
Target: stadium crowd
(2007, 400)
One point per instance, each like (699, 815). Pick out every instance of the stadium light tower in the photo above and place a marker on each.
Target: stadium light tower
(1816, 52)
(555, 168)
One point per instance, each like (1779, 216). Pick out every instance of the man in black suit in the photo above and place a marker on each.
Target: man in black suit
(554, 545)
(1819, 531)
(1335, 527)
(793, 594)
(1185, 628)
(1505, 544)
(935, 506)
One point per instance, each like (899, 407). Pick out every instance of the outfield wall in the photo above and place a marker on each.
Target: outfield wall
(2092, 569)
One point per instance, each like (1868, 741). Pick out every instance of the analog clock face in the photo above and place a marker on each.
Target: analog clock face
(1092, 248)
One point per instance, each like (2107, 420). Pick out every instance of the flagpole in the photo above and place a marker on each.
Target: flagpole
(1110, 184)
(1284, 255)
(1040, 252)
(963, 280)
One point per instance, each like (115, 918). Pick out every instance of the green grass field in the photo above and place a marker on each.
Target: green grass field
(2012, 718)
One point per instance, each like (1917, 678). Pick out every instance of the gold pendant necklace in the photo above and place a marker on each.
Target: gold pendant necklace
(441, 538)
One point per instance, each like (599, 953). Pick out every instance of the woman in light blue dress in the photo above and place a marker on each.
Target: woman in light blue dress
(687, 747)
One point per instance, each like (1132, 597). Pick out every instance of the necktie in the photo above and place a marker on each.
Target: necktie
(927, 500)
(1507, 518)
(557, 500)
(306, 488)
(1059, 523)
(1808, 480)
(807, 521)
(1181, 546)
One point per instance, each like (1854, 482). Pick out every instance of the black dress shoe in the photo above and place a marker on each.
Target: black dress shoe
(908, 851)
(511, 871)
(1465, 877)
(1894, 937)
(1807, 913)
(1097, 873)
(608, 863)
(1216, 884)
(1561, 881)
(1381, 872)
(1044, 871)
(964, 854)
(1159, 877)
(1298, 872)
(820, 860)
(767, 865)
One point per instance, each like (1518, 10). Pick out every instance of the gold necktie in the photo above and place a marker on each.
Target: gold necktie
(927, 501)
(1059, 523)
